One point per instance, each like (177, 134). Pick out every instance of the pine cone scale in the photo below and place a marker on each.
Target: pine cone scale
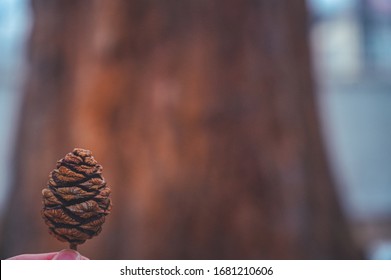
(81, 169)
(61, 184)
(68, 199)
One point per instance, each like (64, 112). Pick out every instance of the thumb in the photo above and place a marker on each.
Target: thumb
(67, 254)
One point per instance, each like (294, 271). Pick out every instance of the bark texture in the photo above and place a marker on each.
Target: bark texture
(202, 113)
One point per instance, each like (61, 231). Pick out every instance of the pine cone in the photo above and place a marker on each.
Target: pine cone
(76, 199)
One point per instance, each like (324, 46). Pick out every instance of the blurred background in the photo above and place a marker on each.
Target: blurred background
(195, 112)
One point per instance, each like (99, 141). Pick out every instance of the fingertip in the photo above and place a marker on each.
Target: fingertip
(67, 254)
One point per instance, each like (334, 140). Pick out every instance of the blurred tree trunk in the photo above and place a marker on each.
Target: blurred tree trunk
(202, 114)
